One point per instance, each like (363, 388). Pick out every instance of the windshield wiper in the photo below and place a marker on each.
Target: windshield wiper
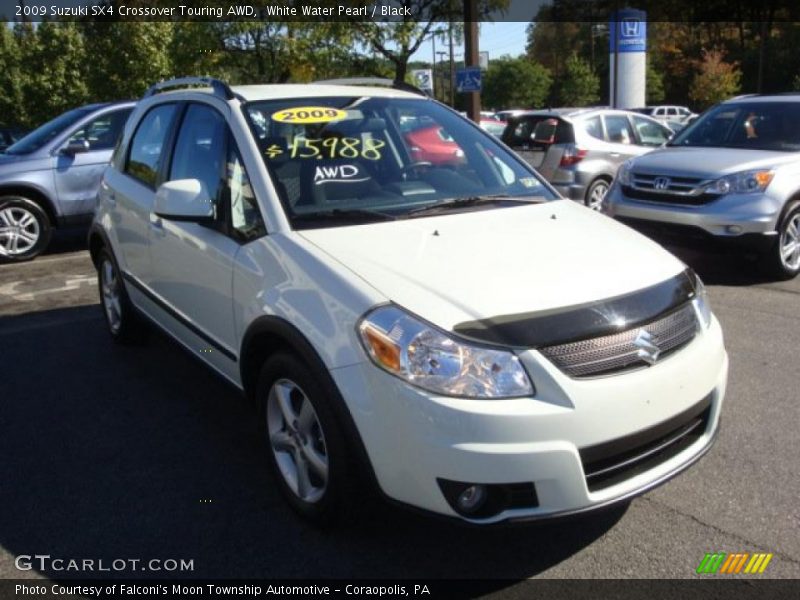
(344, 214)
(458, 203)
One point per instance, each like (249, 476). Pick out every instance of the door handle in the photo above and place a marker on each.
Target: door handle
(615, 154)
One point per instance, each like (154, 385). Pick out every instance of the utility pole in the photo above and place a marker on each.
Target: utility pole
(433, 69)
(471, 55)
(442, 54)
(452, 66)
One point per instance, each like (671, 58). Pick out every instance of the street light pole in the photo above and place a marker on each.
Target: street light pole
(471, 55)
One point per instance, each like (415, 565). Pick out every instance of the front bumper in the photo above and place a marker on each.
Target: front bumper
(731, 217)
(414, 438)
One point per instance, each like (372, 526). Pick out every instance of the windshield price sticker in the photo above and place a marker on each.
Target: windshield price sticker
(303, 115)
(330, 148)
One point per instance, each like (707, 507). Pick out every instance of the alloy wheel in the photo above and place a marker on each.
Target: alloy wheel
(790, 243)
(599, 192)
(19, 231)
(112, 304)
(297, 441)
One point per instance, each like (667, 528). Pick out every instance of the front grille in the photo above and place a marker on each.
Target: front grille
(611, 462)
(668, 198)
(618, 352)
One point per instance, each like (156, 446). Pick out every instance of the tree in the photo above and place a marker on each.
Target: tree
(578, 86)
(54, 59)
(515, 83)
(398, 40)
(654, 84)
(12, 105)
(126, 57)
(715, 80)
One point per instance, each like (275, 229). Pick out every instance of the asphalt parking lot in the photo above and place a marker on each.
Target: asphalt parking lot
(141, 452)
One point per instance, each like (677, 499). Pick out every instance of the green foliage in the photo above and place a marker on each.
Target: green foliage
(12, 106)
(655, 85)
(578, 86)
(515, 83)
(124, 59)
(715, 80)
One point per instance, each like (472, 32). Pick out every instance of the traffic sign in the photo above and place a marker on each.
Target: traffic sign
(468, 79)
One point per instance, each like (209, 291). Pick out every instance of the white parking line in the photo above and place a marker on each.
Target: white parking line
(74, 282)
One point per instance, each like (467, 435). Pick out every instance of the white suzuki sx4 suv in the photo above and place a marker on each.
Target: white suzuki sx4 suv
(409, 305)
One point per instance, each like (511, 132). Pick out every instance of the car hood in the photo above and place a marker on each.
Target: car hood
(481, 264)
(708, 163)
(11, 163)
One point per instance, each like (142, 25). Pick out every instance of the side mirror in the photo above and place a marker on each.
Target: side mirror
(76, 147)
(183, 200)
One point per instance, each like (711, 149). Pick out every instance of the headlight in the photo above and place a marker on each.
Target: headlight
(701, 302)
(746, 182)
(624, 173)
(433, 360)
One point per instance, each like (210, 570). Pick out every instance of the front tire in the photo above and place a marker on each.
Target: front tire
(25, 229)
(782, 260)
(305, 444)
(596, 194)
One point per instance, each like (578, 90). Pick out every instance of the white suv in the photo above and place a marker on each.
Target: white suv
(451, 331)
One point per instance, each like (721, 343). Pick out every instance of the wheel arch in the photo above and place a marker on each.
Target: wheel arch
(268, 335)
(97, 240)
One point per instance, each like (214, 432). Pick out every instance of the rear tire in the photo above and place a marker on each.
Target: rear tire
(122, 321)
(306, 447)
(25, 229)
(596, 194)
(782, 260)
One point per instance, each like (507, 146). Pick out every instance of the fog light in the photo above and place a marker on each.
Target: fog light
(733, 229)
(472, 498)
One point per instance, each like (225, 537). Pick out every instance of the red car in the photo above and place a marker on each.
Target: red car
(433, 144)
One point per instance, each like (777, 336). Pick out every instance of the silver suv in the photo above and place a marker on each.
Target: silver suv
(578, 150)
(50, 177)
(733, 175)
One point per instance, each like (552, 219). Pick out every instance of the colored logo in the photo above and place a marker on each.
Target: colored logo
(731, 564)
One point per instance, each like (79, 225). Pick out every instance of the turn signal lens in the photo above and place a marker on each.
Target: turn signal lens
(381, 348)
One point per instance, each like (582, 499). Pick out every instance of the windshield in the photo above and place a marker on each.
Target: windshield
(39, 137)
(339, 157)
(751, 125)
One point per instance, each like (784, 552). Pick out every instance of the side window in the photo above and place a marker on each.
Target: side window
(593, 127)
(199, 149)
(102, 133)
(245, 217)
(148, 141)
(619, 129)
(650, 134)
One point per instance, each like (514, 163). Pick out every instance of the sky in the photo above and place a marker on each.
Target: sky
(499, 38)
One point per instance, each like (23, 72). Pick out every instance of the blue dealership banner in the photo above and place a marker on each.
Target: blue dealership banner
(628, 30)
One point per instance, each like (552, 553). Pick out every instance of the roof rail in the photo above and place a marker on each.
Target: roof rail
(376, 81)
(220, 88)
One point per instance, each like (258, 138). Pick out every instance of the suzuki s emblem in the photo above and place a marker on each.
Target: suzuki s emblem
(630, 28)
(648, 350)
(661, 183)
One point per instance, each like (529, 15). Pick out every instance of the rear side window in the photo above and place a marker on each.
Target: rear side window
(146, 150)
(619, 129)
(593, 127)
